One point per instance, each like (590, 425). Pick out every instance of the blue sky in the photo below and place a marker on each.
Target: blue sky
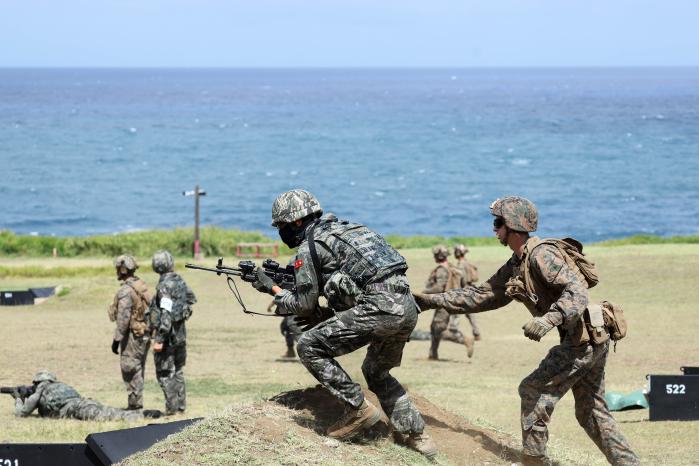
(336, 33)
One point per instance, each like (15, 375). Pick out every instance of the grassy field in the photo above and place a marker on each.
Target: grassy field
(234, 358)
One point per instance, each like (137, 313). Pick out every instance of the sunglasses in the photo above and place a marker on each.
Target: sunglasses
(498, 222)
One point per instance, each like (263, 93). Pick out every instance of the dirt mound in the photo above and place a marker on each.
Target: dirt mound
(290, 428)
(459, 442)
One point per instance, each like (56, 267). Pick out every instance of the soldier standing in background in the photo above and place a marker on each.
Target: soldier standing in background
(168, 312)
(471, 277)
(363, 279)
(554, 291)
(289, 329)
(57, 399)
(131, 334)
(445, 277)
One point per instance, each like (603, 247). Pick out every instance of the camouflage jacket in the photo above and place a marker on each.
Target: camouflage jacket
(470, 271)
(49, 397)
(173, 290)
(445, 277)
(340, 289)
(558, 288)
(130, 304)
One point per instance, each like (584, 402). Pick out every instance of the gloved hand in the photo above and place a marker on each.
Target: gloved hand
(16, 394)
(263, 284)
(537, 327)
(308, 322)
(423, 301)
(115, 346)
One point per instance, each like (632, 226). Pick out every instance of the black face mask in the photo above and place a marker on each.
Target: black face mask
(291, 235)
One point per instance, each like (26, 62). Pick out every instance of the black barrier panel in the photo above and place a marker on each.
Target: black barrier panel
(674, 397)
(16, 298)
(689, 370)
(112, 447)
(47, 454)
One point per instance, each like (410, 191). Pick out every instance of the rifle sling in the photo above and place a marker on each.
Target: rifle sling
(314, 255)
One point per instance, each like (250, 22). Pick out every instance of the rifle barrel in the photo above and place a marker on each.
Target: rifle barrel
(219, 271)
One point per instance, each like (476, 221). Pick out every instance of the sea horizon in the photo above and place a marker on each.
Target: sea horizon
(604, 152)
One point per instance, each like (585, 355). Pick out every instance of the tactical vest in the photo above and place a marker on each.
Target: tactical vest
(54, 397)
(181, 306)
(362, 254)
(141, 298)
(470, 271)
(523, 287)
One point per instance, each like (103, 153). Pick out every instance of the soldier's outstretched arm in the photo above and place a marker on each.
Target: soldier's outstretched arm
(548, 263)
(488, 296)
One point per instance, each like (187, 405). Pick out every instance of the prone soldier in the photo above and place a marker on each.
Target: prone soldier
(554, 289)
(364, 282)
(131, 333)
(170, 308)
(57, 399)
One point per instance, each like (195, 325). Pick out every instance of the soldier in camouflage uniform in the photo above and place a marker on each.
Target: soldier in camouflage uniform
(559, 300)
(445, 327)
(289, 329)
(131, 334)
(57, 399)
(170, 308)
(363, 279)
(471, 278)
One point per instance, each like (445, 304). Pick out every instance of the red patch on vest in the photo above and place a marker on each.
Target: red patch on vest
(298, 263)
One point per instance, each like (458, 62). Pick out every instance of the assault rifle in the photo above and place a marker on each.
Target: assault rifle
(247, 271)
(23, 390)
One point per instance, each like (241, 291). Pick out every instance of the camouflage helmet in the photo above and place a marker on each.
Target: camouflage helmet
(440, 252)
(294, 205)
(460, 250)
(163, 262)
(519, 213)
(44, 375)
(126, 261)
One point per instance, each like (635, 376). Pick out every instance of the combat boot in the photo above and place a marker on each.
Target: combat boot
(290, 353)
(152, 413)
(423, 443)
(534, 460)
(468, 341)
(353, 421)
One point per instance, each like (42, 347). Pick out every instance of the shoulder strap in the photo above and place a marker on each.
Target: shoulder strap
(535, 242)
(314, 255)
(146, 301)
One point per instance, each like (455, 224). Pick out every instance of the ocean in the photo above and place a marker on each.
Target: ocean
(603, 152)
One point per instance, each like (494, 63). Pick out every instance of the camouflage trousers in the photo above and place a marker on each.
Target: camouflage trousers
(444, 327)
(290, 330)
(133, 364)
(86, 409)
(169, 369)
(580, 369)
(382, 320)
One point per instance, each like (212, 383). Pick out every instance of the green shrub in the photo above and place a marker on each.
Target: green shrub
(216, 241)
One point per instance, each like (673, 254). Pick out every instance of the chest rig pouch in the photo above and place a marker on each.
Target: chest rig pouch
(516, 289)
(362, 255)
